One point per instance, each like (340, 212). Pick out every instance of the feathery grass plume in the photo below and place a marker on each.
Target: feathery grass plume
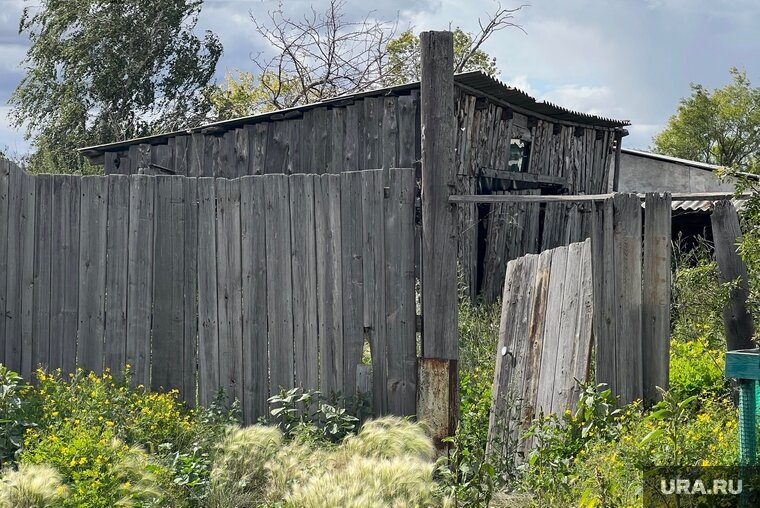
(294, 465)
(391, 437)
(372, 483)
(238, 475)
(140, 482)
(32, 486)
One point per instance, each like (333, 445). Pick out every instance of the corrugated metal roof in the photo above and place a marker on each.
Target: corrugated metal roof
(702, 206)
(492, 86)
(475, 80)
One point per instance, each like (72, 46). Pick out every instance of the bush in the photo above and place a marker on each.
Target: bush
(32, 486)
(696, 370)
(12, 420)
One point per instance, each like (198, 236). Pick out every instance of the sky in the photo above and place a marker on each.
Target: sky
(624, 59)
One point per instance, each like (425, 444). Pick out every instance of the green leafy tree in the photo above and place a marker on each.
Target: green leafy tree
(98, 71)
(720, 127)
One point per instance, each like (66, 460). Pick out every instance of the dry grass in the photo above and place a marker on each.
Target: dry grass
(32, 486)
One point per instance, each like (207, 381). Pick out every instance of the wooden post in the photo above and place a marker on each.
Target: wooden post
(618, 148)
(437, 404)
(736, 317)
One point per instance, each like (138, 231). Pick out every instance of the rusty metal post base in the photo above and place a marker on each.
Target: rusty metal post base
(438, 398)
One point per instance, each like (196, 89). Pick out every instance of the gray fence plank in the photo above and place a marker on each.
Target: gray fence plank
(329, 282)
(352, 247)
(627, 250)
(253, 262)
(736, 317)
(603, 272)
(168, 254)
(117, 255)
(229, 287)
(400, 295)
(142, 193)
(373, 219)
(257, 148)
(190, 290)
(655, 340)
(92, 272)
(26, 265)
(304, 273)
(279, 283)
(64, 283)
(208, 328)
(42, 261)
(4, 175)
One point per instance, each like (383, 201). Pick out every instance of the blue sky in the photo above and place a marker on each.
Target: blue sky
(627, 59)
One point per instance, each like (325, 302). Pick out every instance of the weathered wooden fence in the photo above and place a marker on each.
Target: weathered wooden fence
(248, 285)
(544, 340)
(632, 294)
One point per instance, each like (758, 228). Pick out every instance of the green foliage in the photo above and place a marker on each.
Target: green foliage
(308, 414)
(244, 94)
(478, 337)
(12, 420)
(594, 456)
(696, 370)
(100, 71)
(719, 127)
(32, 486)
(403, 65)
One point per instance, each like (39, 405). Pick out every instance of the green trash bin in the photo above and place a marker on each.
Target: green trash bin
(743, 365)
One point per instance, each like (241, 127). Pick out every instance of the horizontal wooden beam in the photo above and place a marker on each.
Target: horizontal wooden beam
(521, 198)
(518, 176)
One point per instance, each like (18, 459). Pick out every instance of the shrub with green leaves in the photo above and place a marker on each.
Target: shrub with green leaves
(12, 419)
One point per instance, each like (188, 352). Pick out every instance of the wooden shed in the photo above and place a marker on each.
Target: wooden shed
(507, 142)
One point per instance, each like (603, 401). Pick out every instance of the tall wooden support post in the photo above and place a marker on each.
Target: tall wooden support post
(618, 148)
(736, 317)
(437, 401)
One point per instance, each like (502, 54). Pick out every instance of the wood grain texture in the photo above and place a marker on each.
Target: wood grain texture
(655, 312)
(253, 262)
(4, 219)
(92, 272)
(41, 333)
(208, 320)
(736, 317)
(117, 260)
(190, 291)
(142, 195)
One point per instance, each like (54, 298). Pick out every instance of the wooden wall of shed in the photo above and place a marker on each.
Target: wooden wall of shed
(373, 132)
(579, 155)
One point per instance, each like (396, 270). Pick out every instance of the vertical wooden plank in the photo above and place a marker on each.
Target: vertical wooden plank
(112, 164)
(603, 273)
(406, 131)
(181, 155)
(655, 312)
(117, 260)
(307, 142)
(208, 328)
(242, 152)
(26, 263)
(337, 139)
(64, 284)
(196, 154)
(190, 291)
(373, 219)
(400, 293)
(4, 176)
(225, 157)
(551, 342)
(390, 135)
(582, 357)
(304, 273)
(168, 287)
(296, 152)
(279, 283)
(41, 332)
(736, 317)
(352, 235)
(142, 192)
(352, 146)
(13, 314)
(253, 262)
(627, 252)
(277, 148)
(373, 130)
(92, 272)
(229, 287)
(257, 148)
(329, 284)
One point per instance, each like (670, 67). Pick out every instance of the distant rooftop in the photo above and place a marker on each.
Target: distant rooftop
(674, 160)
(476, 81)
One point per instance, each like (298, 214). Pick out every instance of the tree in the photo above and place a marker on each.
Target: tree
(720, 127)
(324, 55)
(98, 71)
